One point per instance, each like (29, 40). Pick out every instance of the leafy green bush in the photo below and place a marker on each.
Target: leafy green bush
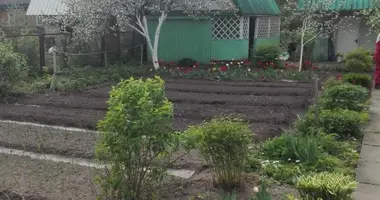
(136, 134)
(305, 147)
(284, 173)
(327, 163)
(13, 68)
(363, 80)
(267, 54)
(345, 96)
(277, 149)
(187, 62)
(325, 185)
(345, 123)
(224, 143)
(332, 82)
(358, 61)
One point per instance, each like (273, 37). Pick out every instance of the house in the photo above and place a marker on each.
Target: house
(224, 37)
(13, 12)
(355, 32)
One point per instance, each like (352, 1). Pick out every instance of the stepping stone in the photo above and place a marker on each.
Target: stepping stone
(366, 192)
(368, 172)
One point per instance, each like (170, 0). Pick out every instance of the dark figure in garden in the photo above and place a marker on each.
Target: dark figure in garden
(377, 61)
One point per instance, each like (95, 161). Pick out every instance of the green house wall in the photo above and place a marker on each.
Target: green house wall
(188, 38)
(266, 41)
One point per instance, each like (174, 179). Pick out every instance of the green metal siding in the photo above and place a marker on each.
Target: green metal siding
(347, 4)
(266, 41)
(229, 49)
(185, 38)
(258, 7)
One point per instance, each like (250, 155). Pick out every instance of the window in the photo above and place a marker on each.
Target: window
(267, 27)
(231, 28)
(39, 20)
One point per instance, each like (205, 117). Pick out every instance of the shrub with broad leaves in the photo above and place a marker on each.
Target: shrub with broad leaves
(13, 68)
(363, 80)
(358, 61)
(267, 56)
(224, 143)
(344, 96)
(136, 138)
(326, 185)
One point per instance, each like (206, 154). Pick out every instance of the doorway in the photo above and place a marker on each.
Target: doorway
(252, 29)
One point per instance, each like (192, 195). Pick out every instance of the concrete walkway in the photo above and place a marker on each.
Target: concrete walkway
(368, 171)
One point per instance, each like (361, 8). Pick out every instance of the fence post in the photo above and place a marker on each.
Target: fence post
(141, 55)
(53, 78)
(105, 59)
(316, 100)
(41, 38)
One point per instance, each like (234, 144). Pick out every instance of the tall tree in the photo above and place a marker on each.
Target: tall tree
(373, 16)
(89, 17)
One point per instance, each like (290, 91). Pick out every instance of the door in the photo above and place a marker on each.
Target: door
(252, 28)
(348, 36)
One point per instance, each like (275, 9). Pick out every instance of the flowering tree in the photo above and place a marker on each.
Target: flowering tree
(309, 19)
(373, 16)
(91, 17)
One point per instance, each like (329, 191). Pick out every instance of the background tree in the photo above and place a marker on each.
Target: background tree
(373, 16)
(309, 19)
(89, 17)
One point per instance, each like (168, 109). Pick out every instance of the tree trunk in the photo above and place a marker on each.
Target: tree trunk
(301, 51)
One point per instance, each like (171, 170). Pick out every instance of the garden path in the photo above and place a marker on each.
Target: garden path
(368, 171)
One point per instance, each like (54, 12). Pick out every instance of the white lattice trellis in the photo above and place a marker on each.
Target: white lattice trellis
(230, 28)
(275, 23)
(267, 27)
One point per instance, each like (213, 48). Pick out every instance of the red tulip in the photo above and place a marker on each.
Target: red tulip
(223, 68)
(339, 77)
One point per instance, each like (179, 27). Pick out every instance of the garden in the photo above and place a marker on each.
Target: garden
(252, 129)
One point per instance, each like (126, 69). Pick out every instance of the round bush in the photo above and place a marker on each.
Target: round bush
(331, 82)
(344, 96)
(13, 68)
(224, 143)
(268, 54)
(344, 123)
(358, 61)
(363, 80)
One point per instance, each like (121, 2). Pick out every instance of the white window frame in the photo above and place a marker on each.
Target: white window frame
(269, 31)
(242, 25)
(39, 20)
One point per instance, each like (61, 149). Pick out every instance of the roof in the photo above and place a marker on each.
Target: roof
(46, 7)
(258, 7)
(348, 5)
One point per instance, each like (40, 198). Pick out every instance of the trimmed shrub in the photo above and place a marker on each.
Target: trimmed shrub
(344, 96)
(325, 185)
(344, 123)
(135, 132)
(267, 54)
(358, 61)
(224, 143)
(187, 62)
(13, 68)
(363, 80)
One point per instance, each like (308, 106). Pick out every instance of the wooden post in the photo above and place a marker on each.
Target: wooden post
(53, 78)
(105, 59)
(316, 100)
(41, 38)
(141, 55)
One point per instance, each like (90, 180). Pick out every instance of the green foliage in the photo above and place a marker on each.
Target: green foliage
(136, 134)
(344, 96)
(253, 163)
(363, 80)
(284, 173)
(224, 143)
(345, 123)
(13, 68)
(267, 54)
(277, 149)
(327, 163)
(358, 61)
(305, 147)
(325, 185)
(187, 62)
(263, 193)
(332, 82)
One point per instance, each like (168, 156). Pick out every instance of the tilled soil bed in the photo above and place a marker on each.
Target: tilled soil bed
(269, 107)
